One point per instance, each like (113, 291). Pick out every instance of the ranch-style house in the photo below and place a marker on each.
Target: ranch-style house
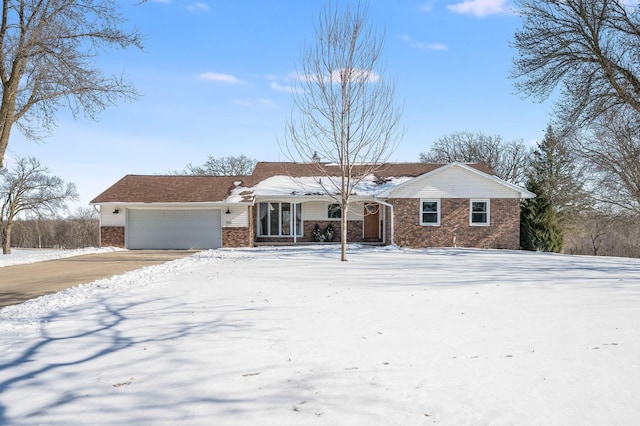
(414, 205)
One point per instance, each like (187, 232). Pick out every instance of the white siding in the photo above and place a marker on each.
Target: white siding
(108, 218)
(314, 210)
(356, 211)
(237, 218)
(455, 182)
(317, 210)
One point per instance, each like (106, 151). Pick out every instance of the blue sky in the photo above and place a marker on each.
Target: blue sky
(215, 77)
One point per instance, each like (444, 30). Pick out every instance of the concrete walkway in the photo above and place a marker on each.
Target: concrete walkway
(23, 282)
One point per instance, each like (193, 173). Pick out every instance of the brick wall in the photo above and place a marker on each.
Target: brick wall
(239, 237)
(112, 236)
(354, 232)
(236, 237)
(354, 229)
(455, 230)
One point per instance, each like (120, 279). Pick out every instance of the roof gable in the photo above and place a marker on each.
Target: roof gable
(458, 180)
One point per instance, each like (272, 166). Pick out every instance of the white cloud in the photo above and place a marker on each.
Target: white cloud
(267, 103)
(242, 102)
(479, 7)
(437, 46)
(426, 6)
(223, 78)
(198, 7)
(339, 75)
(355, 74)
(280, 88)
(422, 45)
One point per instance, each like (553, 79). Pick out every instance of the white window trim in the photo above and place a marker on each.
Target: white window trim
(480, 200)
(430, 200)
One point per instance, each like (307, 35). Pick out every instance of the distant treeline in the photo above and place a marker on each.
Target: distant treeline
(604, 235)
(76, 231)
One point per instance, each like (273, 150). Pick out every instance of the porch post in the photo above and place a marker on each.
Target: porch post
(390, 216)
(295, 229)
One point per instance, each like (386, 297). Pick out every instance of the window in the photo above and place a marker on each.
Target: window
(279, 219)
(479, 212)
(430, 212)
(334, 211)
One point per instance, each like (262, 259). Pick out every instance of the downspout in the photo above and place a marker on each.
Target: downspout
(384, 203)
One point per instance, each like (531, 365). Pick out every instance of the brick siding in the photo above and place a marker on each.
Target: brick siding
(112, 236)
(354, 232)
(455, 230)
(237, 237)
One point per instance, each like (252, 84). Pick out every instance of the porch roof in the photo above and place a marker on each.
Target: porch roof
(322, 186)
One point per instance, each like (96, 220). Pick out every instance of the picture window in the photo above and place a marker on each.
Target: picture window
(279, 219)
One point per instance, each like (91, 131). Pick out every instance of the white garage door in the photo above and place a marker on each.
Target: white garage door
(173, 229)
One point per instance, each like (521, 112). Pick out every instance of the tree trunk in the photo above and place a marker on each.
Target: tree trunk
(6, 239)
(343, 233)
(5, 130)
(7, 116)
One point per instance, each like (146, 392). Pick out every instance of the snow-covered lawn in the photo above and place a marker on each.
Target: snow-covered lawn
(22, 256)
(294, 337)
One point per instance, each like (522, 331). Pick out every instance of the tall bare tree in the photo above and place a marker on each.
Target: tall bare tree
(47, 61)
(29, 188)
(221, 166)
(587, 47)
(611, 146)
(346, 112)
(509, 160)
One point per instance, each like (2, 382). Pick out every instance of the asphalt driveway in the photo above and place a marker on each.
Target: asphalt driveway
(19, 283)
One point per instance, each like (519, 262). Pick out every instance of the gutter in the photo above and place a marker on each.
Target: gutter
(384, 203)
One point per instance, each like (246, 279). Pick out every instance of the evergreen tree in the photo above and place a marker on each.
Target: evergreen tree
(555, 169)
(539, 229)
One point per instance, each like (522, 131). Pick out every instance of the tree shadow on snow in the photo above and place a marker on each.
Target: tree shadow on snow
(101, 332)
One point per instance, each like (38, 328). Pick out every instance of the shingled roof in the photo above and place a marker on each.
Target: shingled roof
(265, 170)
(194, 189)
(168, 189)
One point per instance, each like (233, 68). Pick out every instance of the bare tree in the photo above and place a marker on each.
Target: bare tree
(612, 149)
(47, 61)
(589, 47)
(606, 233)
(345, 108)
(509, 160)
(78, 230)
(221, 166)
(28, 188)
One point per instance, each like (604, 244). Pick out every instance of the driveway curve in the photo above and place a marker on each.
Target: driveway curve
(19, 283)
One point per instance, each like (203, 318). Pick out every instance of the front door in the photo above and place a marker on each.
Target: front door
(372, 222)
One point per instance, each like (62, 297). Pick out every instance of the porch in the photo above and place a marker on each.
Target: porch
(319, 222)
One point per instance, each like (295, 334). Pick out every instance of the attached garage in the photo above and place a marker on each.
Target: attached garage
(173, 229)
